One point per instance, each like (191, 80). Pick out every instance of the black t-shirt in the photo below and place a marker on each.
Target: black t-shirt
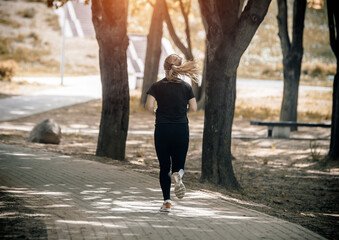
(172, 99)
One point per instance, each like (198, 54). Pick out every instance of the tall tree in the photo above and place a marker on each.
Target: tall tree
(333, 23)
(292, 56)
(228, 36)
(110, 23)
(153, 50)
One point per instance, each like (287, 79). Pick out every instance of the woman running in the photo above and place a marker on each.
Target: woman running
(174, 99)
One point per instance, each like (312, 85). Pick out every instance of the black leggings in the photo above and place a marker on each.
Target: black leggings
(171, 143)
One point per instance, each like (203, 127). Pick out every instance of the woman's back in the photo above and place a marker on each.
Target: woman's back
(172, 99)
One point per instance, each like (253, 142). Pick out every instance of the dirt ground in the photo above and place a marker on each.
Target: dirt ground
(287, 178)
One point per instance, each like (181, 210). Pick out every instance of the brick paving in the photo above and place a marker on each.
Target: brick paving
(70, 198)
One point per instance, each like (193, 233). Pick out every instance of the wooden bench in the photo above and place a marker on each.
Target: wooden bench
(283, 129)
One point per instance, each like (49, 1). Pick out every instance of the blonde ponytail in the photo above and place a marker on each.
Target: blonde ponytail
(173, 67)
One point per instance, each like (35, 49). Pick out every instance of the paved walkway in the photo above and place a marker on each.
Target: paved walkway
(75, 90)
(80, 199)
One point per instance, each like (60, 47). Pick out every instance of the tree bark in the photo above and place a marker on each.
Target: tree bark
(153, 50)
(334, 143)
(333, 18)
(219, 111)
(202, 90)
(227, 38)
(110, 24)
(292, 56)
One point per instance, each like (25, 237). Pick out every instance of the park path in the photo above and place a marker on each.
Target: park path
(80, 199)
(74, 90)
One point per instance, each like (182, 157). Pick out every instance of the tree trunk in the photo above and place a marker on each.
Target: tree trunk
(291, 88)
(110, 24)
(333, 20)
(202, 95)
(196, 90)
(292, 56)
(219, 111)
(153, 50)
(334, 144)
(227, 39)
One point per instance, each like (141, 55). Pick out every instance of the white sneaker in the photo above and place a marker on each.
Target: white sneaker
(166, 207)
(179, 187)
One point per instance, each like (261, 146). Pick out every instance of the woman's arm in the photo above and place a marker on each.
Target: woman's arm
(150, 103)
(192, 105)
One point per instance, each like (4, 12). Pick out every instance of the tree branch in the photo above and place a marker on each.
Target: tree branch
(213, 26)
(283, 26)
(241, 7)
(187, 30)
(229, 8)
(96, 14)
(178, 43)
(333, 25)
(250, 19)
(299, 9)
(150, 3)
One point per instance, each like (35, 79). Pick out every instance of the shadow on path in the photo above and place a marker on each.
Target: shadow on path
(80, 199)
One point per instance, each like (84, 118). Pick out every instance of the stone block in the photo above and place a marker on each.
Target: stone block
(281, 132)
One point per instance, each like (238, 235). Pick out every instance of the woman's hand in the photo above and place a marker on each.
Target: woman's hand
(150, 103)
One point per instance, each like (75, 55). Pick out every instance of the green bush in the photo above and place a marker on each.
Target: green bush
(7, 70)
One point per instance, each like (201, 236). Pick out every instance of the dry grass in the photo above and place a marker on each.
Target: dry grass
(246, 110)
(53, 22)
(134, 104)
(316, 95)
(5, 45)
(7, 70)
(250, 112)
(318, 70)
(28, 55)
(14, 48)
(7, 21)
(27, 13)
(10, 23)
(309, 71)
(272, 71)
(314, 106)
